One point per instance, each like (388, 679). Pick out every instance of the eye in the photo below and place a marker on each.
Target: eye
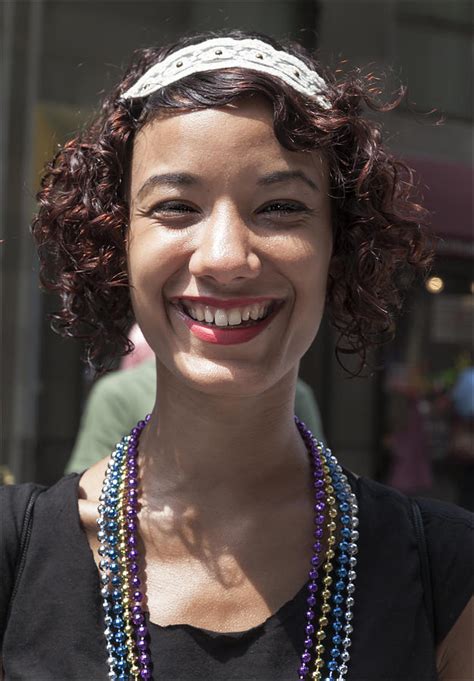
(283, 208)
(171, 208)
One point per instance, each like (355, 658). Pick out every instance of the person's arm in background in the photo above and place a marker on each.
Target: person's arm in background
(115, 404)
(101, 421)
(307, 410)
(119, 400)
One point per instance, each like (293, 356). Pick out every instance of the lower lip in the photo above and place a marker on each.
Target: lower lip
(224, 335)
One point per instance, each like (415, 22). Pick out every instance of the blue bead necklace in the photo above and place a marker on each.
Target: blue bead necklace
(331, 575)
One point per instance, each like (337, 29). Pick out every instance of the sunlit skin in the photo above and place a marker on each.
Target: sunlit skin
(226, 518)
(225, 236)
(226, 514)
(225, 475)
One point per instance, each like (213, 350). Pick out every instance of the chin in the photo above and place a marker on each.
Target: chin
(226, 379)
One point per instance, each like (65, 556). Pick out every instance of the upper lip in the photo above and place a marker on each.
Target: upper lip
(224, 303)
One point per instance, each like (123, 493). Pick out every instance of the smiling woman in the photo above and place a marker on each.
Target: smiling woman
(226, 197)
(241, 228)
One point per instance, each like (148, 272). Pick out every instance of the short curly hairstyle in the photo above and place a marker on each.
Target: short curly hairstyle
(381, 243)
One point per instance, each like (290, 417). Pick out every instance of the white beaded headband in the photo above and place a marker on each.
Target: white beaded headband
(222, 53)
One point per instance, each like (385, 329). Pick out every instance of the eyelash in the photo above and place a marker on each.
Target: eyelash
(284, 208)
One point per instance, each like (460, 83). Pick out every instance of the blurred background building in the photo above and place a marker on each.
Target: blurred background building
(59, 56)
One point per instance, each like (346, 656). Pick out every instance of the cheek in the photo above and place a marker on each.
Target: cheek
(307, 264)
(151, 261)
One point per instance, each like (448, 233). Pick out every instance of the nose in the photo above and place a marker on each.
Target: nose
(224, 251)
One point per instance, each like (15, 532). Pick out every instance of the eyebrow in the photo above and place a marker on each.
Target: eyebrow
(170, 179)
(188, 180)
(286, 176)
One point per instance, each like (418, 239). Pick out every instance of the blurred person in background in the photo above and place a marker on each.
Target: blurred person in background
(229, 193)
(462, 437)
(117, 401)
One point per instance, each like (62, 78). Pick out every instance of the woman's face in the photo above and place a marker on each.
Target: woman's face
(229, 246)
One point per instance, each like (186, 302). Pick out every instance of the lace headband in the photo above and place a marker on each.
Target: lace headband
(221, 53)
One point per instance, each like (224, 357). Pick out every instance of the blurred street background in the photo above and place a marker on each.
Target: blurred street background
(404, 425)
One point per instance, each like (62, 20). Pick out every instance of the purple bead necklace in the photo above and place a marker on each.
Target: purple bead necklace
(126, 633)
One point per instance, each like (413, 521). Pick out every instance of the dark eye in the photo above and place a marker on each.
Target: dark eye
(171, 207)
(283, 208)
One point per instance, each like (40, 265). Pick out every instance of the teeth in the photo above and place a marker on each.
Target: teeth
(199, 312)
(255, 311)
(232, 317)
(220, 318)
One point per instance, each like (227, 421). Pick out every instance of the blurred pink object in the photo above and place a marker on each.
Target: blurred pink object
(411, 465)
(141, 352)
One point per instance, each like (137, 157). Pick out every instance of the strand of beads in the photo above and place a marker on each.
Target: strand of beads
(335, 482)
(126, 552)
(327, 581)
(109, 566)
(319, 508)
(347, 549)
(126, 632)
(137, 614)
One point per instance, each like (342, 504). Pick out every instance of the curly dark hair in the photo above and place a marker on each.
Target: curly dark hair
(381, 243)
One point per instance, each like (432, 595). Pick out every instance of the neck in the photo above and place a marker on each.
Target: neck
(220, 451)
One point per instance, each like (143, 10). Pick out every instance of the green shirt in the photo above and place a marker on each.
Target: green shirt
(120, 399)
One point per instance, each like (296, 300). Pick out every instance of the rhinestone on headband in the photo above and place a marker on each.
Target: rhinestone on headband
(222, 53)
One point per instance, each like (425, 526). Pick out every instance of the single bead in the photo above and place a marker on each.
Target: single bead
(142, 631)
(137, 618)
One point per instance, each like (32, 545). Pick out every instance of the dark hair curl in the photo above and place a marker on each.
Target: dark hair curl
(380, 239)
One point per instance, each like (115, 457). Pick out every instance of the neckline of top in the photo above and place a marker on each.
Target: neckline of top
(274, 620)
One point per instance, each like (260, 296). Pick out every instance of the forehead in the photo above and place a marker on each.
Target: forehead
(216, 142)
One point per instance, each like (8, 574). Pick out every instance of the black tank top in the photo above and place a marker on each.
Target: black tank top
(53, 629)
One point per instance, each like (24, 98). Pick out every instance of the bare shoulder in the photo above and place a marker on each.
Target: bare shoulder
(454, 656)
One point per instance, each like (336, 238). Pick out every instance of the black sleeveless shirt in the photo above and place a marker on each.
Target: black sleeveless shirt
(52, 629)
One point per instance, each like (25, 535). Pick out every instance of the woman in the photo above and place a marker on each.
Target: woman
(227, 195)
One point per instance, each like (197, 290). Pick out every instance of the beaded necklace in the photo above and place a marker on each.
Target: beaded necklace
(335, 507)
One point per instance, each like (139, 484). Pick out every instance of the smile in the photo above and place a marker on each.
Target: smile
(226, 322)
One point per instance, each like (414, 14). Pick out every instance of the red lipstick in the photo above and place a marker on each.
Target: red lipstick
(225, 335)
